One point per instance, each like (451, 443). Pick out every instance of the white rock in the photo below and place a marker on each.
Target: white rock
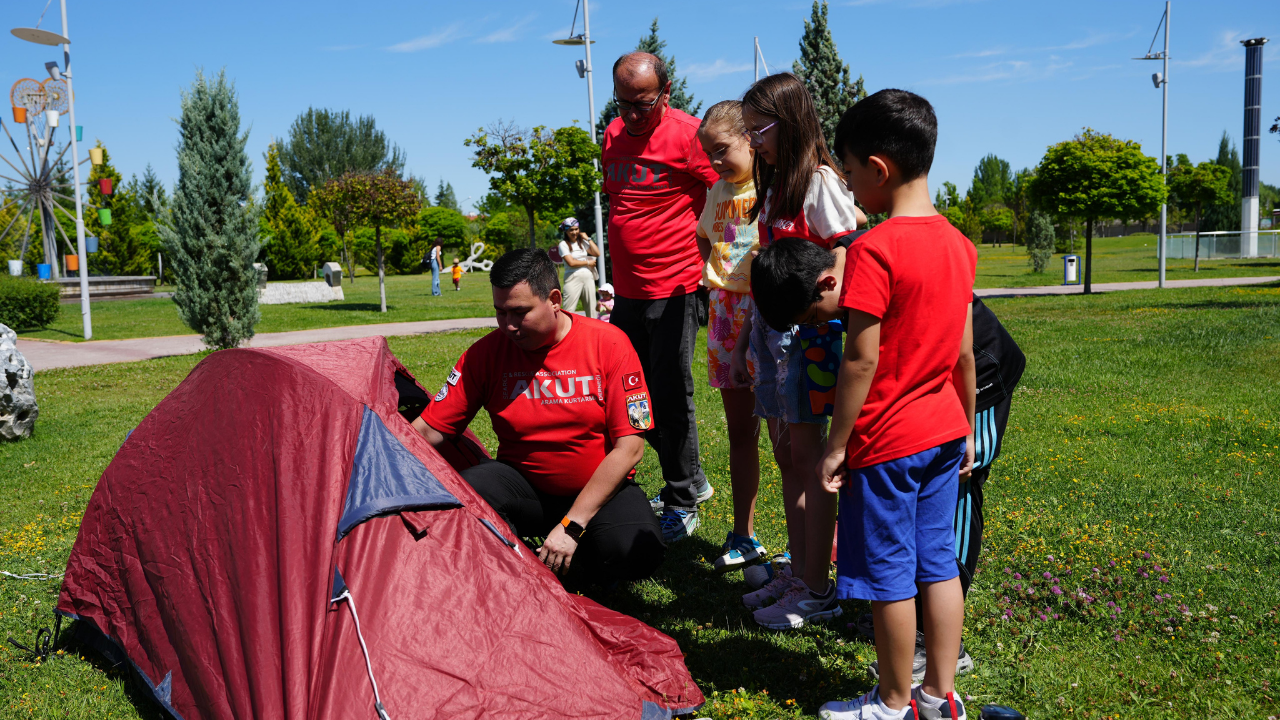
(18, 410)
(306, 292)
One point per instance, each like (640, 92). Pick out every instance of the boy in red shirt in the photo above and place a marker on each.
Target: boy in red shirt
(901, 436)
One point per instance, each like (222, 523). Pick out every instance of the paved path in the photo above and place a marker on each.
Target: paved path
(47, 355)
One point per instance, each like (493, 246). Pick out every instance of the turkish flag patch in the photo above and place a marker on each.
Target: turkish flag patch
(631, 381)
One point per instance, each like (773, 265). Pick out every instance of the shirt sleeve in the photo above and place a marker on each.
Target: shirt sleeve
(828, 206)
(459, 399)
(867, 282)
(699, 165)
(628, 407)
(563, 247)
(708, 216)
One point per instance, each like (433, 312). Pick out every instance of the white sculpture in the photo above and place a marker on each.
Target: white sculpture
(470, 264)
(18, 409)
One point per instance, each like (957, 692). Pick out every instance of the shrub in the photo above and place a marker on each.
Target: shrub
(27, 303)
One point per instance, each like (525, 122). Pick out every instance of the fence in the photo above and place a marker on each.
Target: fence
(1216, 245)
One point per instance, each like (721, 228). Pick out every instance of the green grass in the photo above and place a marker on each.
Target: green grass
(1147, 422)
(409, 298)
(1125, 259)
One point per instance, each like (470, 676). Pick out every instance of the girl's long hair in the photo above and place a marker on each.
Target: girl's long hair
(801, 146)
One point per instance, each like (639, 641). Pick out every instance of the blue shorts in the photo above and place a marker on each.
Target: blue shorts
(779, 384)
(896, 525)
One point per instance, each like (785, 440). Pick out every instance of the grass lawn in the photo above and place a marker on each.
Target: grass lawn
(1125, 259)
(409, 296)
(1139, 468)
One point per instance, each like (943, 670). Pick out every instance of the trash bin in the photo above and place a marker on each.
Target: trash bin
(1070, 269)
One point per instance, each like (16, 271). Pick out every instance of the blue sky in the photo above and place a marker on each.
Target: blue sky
(1005, 77)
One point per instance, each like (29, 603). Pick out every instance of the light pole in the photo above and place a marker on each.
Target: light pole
(584, 70)
(44, 37)
(1161, 81)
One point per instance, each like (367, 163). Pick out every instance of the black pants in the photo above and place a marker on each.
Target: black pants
(622, 542)
(968, 522)
(663, 333)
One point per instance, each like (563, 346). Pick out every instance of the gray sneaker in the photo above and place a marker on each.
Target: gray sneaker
(677, 524)
(963, 665)
(704, 494)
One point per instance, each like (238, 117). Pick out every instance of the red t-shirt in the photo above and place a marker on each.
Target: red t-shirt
(657, 185)
(556, 412)
(916, 275)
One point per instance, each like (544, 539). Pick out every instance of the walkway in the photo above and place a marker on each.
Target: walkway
(47, 355)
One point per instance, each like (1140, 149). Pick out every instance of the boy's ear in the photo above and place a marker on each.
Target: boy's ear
(827, 283)
(882, 169)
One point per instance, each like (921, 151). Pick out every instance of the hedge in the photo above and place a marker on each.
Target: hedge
(26, 303)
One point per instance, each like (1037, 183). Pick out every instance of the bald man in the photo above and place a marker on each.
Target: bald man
(657, 175)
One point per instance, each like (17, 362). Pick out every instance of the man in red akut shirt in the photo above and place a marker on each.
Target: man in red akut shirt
(568, 402)
(657, 175)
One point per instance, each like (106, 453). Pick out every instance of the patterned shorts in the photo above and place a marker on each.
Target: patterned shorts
(729, 311)
(822, 348)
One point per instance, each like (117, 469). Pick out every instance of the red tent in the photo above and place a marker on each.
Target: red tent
(275, 541)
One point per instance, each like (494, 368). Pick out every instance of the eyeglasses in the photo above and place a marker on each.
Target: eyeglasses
(757, 136)
(642, 108)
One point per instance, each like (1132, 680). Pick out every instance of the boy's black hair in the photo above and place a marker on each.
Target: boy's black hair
(893, 124)
(784, 280)
(525, 265)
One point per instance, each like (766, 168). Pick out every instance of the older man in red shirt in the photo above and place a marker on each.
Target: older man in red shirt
(657, 175)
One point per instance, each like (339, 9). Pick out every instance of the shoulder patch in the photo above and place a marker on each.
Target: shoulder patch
(444, 392)
(631, 381)
(454, 376)
(638, 413)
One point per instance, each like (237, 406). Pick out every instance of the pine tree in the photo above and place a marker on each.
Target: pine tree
(445, 197)
(290, 233)
(825, 74)
(151, 192)
(325, 144)
(1225, 217)
(211, 230)
(125, 247)
(681, 98)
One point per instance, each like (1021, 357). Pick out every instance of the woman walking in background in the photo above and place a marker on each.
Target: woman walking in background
(578, 252)
(437, 262)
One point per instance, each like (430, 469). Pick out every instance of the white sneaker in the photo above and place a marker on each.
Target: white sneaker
(799, 607)
(948, 708)
(867, 707)
(772, 590)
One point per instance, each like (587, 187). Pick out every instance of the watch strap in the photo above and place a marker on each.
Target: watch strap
(571, 528)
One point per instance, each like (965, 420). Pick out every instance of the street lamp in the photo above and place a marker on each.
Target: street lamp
(44, 37)
(1161, 81)
(584, 70)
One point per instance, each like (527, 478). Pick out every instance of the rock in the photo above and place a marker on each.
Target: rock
(332, 274)
(304, 292)
(18, 410)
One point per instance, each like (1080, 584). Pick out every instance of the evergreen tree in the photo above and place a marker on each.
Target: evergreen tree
(151, 192)
(128, 245)
(1225, 216)
(992, 181)
(681, 98)
(325, 144)
(445, 197)
(211, 230)
(825, 74)
(1040, 240)
(290, 231)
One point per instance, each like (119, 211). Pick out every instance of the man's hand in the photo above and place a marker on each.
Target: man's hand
(831, 469)
(557, 550)
(966, 467)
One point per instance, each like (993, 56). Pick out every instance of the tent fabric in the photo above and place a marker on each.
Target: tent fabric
(209, 552)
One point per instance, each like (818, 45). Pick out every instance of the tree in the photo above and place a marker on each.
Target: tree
(1225, 216)
(128, 245)
(441, 222)
(379, 200)
(445, 197)
(992, 182)
(325, 144)
(537, 170)
(290, 232)
(681, 98)
(1040, 240)
(1096, 176)
(151, 192)
(825, 75)
(947, 196)
(211, 230)
(332, 202)
(1198, 185)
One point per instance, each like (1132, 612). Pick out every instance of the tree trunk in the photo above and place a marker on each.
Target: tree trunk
(382, 275)
(1088, 257)
(533, 243)
(1197, 267)
(351, 261)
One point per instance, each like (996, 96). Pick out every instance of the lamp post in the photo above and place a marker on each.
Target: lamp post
(44, 37)
(584, 70)
(1161, 81)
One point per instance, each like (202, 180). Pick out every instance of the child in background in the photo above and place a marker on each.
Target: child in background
(902, 432)
(799, 194)
(605, 304)
(457, 274)
(727, 238)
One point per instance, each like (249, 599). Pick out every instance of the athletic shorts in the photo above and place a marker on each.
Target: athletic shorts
(896, 525)
(729, 312)
(779, 379)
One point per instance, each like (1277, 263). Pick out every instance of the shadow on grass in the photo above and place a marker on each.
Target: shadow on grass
(358, 307)
(71, 644)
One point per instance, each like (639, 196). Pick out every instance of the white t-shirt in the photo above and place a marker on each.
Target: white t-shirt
(578, 251)
(828, 213)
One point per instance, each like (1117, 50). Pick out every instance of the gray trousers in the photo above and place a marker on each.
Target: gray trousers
(663, 333)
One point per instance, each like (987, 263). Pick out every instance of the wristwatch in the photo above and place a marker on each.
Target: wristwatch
(571, 528)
